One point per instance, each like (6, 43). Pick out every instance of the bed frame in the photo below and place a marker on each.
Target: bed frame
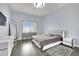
(43, 48)
(46, 46)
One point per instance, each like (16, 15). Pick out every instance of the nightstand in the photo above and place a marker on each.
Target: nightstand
(68, 42)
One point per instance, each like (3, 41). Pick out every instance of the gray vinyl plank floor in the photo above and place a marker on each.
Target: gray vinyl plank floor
(75, 52)
(28, 48)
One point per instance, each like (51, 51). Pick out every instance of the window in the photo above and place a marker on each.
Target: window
(29, 27)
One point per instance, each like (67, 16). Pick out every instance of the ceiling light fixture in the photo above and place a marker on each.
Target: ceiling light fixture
(39, 5)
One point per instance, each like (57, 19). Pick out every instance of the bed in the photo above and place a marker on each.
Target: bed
(46, 41)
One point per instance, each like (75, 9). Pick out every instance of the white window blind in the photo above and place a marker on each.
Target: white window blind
(29, 27)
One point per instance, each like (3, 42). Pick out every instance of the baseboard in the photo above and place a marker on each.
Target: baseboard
(27, 38)
(17, 40)
(20, 39)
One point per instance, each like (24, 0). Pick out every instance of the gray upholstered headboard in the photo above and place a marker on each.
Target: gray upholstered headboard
(56, 32)
(59, 32)
(63, 33)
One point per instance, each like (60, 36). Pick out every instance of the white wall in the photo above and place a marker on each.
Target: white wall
(6, 11)
(67, 18)
(18, 18)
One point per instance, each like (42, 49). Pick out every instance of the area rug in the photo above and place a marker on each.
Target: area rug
(60, 50)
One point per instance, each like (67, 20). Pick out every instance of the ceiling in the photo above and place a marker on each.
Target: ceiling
(30, 9)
